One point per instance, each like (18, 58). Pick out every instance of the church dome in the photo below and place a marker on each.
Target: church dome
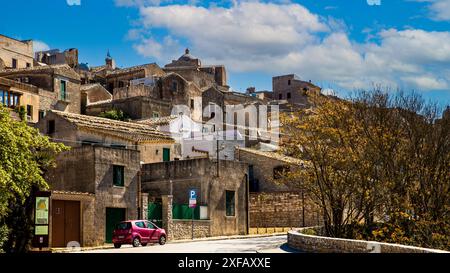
(187, 56)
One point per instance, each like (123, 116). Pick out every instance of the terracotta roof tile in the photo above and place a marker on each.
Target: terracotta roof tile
(128, 130)
(274, 155)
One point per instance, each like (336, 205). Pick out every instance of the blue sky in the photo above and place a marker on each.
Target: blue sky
(338, 44)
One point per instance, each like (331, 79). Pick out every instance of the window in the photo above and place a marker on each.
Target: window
(289, 95)
(30, 111)
(150, 225)
(41, 114)
(123, 226)
(140, 224)
(289, 82)
(174, 86)
(280, 96)
(155, 114)
(28, 65)
(14, 63)
(50, 127)
(3, 97)
(192, 104)
(118, 176)
(230, 203)
(213, 114)
(62, 90)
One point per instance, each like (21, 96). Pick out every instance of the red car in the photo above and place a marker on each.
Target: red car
(138, 232)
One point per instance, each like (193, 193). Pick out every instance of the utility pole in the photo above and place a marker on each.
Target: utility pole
(217, 153)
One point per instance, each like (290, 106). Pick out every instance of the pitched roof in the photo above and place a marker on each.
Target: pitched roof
(89, 86)
(274, 155)
(130, 69)
(127, 130)
(58, 69)
(157, 121)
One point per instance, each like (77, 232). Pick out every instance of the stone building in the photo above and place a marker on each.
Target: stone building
(58, 86)
(122, 78)
(96, 184)
(15, 94)
(15, 53)
(93, 188)
(264, 95)
(292, 89)
(147, 92)
(77, 130)
(55, 56)
(93, 93)
(273, 203)
(191, 69)
(222, 197)
(198, 139)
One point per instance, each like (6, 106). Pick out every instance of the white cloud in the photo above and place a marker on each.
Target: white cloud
(274, 38)
(40, 46)
(73, 2)
(138, 3)
(439, 10)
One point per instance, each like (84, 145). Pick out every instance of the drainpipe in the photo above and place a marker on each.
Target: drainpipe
(139, 196)
(247, 195)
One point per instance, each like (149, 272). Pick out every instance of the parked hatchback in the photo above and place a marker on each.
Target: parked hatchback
(138, 232)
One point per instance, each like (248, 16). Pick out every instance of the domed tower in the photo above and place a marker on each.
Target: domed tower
(109, 61)
(185, 60)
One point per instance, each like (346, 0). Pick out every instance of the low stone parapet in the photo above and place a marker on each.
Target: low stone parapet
(182, 229)
(321, 244)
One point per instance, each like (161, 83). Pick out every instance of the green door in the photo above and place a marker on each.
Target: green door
(166, 154)
(154, 213)
(113, 216)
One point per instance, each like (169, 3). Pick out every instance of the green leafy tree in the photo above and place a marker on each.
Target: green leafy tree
(377, 165)
(25, 155)
(115, 114)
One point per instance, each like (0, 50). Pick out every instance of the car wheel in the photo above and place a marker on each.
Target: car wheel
(117, 245)
(143, 244)
(162, 240)
(136, 242)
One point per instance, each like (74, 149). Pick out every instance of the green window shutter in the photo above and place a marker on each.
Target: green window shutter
(63, 90)
(118, 176)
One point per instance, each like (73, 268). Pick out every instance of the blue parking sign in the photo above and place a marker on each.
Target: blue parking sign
(192, 194)
(192, 198)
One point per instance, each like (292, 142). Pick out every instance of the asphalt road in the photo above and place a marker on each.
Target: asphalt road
(272, 244)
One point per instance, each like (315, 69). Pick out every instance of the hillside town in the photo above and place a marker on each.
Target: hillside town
(143, 165)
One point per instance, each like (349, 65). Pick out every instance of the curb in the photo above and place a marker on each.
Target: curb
(218, 238)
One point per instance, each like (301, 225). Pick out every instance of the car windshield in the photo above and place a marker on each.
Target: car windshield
(123, 226)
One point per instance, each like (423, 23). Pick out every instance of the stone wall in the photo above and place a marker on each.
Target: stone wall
(89, 169)
(312, 243)
(134, 107)
(182, 229)
(11, 48)
(175, 178)
(282, 209)
(263, 170)
(109, 196)
(297, 89)
(132, 91)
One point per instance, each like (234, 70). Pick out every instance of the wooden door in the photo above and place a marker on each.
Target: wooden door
(58, 223)
(72, 221)
(65, 222)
